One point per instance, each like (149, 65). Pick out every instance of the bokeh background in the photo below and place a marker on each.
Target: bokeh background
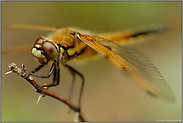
(108, 94)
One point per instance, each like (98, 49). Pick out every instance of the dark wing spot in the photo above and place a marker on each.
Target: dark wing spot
(146, 32)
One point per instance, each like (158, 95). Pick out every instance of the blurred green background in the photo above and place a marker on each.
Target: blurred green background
(108, 94)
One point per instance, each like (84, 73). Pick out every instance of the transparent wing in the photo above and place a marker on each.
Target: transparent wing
(136, 35)
(28, 27)
(136, 64)
(16, 49)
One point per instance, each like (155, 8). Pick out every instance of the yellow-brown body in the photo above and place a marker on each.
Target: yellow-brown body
(75, 48)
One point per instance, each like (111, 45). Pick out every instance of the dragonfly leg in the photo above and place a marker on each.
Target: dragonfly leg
(72, 85)
(35, 70)
(39, 67)
(74, 72)
(56, 77)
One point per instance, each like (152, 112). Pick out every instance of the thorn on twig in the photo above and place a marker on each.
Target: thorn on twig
(41, 95)
(76, 116)
(8, 72)
(24, 68)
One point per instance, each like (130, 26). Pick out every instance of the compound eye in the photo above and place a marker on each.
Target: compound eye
(39, 41)
(50, 50)
(36, 53)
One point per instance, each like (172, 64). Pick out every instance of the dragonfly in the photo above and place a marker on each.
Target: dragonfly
(67, 44)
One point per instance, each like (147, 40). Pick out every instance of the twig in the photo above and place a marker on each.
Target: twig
(44, 91)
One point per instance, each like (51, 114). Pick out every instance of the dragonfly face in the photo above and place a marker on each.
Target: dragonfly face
(45, 51)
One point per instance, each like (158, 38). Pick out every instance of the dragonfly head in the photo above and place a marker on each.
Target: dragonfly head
(44, 50)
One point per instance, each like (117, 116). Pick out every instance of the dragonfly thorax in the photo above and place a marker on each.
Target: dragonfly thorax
(70, 46)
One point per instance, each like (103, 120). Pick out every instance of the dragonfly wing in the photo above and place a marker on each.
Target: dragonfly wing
(136, 35)
(136, 64)
(12, 50)
(29, 27)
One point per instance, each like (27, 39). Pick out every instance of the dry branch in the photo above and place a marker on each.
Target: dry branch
(44, 91)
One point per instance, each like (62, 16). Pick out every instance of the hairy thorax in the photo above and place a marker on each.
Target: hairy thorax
(71, 46)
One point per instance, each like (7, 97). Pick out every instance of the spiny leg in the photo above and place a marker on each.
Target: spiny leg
(38, 68)
(74, 72)
(56, 77)
(41, 66)
(35, 70)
